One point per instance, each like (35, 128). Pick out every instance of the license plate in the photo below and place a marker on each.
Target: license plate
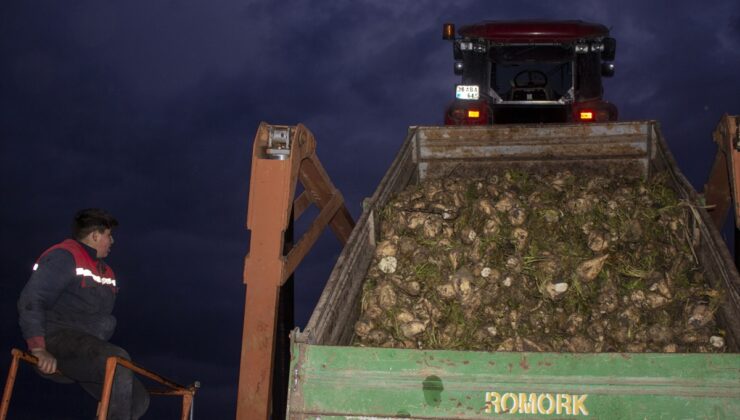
(467, 92)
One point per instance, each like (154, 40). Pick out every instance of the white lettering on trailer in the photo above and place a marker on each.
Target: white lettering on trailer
(536, 403)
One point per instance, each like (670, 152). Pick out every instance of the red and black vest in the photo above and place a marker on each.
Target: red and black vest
(86, 268)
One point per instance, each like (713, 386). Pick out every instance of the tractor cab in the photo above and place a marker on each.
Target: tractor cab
(530, 72)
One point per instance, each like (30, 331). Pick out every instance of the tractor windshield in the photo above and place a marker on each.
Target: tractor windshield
(531, 73)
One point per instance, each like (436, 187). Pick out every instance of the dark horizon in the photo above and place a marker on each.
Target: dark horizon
(149, 111)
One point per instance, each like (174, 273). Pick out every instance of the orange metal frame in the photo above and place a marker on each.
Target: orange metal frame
(187, 393)
(281, 156)
(723, 187)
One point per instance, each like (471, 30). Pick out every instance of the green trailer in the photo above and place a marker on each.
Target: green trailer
(329, 379)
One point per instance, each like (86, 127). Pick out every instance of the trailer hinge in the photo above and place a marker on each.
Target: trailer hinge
(278, 143)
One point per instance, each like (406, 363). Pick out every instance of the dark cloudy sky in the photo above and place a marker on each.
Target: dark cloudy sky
(149, 109)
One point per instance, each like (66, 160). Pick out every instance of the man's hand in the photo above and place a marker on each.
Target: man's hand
(47, 363)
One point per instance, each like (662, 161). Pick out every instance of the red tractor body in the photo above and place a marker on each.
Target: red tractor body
(531, 72)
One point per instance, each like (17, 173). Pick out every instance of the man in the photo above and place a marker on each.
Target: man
(65, 314)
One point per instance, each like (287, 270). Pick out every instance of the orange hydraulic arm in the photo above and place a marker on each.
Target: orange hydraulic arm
(282, 155)
(723, 187)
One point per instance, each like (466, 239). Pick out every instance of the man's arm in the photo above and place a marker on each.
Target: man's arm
(54, 272)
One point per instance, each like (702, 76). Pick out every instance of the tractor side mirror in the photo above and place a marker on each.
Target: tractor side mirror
(607, 69)
(610, 49)
(456, 51)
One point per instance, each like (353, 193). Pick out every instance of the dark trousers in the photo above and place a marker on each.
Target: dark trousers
(81, 357)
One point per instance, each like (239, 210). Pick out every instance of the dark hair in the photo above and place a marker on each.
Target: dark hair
(90, 220)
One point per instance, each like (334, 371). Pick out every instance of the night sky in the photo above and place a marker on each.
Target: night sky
(149, 108)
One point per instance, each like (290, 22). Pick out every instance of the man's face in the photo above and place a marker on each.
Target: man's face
(102, 242)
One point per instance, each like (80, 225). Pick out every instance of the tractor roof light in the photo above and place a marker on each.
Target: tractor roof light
(473, 46)
(581, 48)
(597, 47)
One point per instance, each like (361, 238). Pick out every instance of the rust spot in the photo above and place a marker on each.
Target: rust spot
(625, 356)
(524, 364)
(323, 365)
(510, 367)
(492, 363)
(459, 404)
(465, 362)
(467, 397)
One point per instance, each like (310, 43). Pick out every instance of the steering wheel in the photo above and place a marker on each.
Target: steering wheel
(533, 79)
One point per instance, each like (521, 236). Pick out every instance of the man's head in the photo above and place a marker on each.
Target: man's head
(93, 228)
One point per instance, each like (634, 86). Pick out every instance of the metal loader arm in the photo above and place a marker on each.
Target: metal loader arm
(723, 187)
(281, 156)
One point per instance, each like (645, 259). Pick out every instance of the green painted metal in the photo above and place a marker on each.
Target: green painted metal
(336, 382)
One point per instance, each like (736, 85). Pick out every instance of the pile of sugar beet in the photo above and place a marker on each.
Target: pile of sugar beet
(516, 261)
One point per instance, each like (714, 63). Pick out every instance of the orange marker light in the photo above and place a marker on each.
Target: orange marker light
(473, 113)
(586, 115)
(448, 31)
